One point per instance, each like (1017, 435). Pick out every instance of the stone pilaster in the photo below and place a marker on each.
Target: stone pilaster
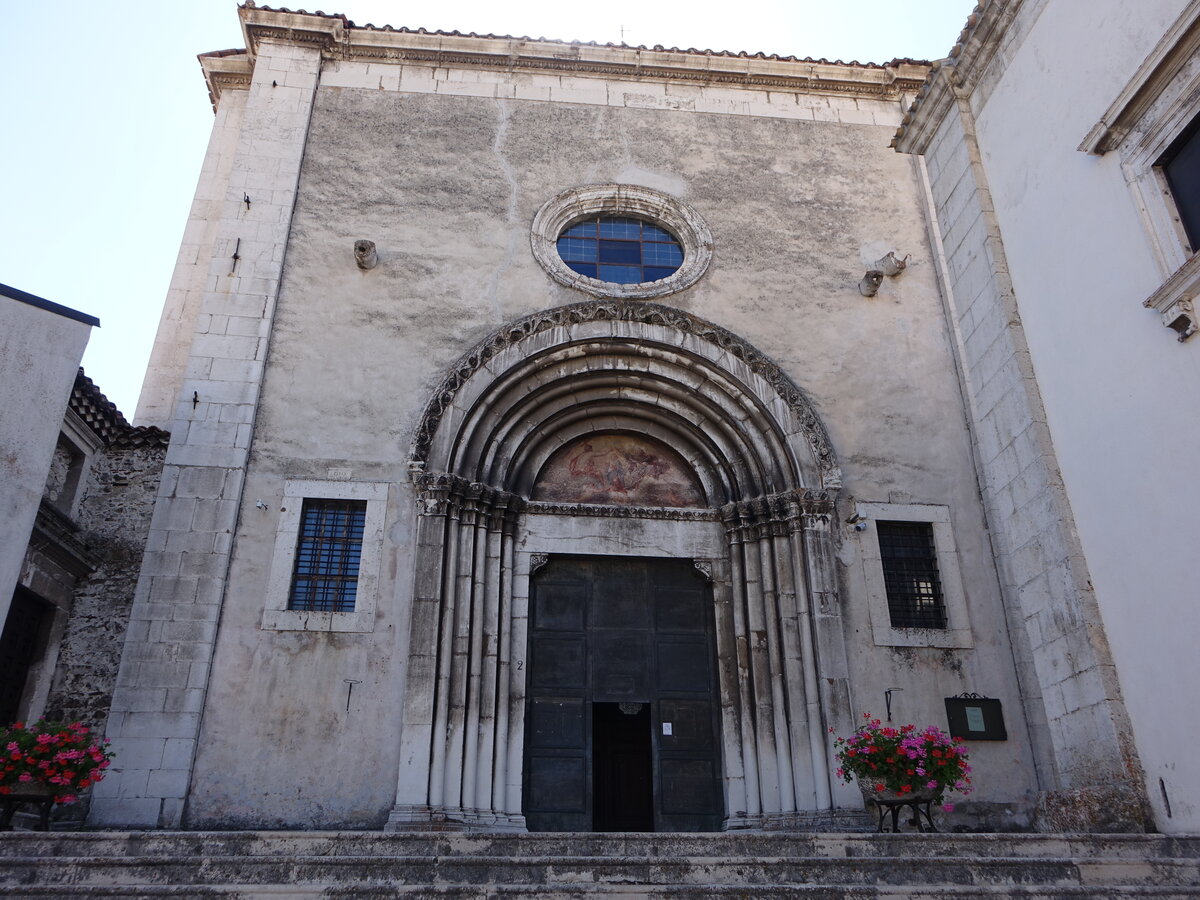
(164, 674)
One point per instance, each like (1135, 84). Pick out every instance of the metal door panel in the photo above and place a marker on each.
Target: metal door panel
(560, 607)
(620, 665)
(611, 630)
(559, 663)
(684, 666)
(556, 723)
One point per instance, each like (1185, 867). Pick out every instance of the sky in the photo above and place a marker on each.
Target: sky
(105, 118)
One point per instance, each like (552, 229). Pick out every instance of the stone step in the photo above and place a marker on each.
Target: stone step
(355, 843)
(249, 865)
(605, 892)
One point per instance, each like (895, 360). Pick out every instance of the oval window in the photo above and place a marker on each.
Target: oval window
(620, 250)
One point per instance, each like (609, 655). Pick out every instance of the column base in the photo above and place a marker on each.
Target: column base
(429, 818)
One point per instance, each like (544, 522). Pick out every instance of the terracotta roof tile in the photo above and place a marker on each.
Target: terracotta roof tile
(106, 421)
(955, 52)
(693, 51)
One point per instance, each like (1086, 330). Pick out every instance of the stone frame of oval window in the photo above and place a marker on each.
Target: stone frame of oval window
(653, 206)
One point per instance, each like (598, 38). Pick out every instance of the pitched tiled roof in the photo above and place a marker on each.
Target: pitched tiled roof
(955, 51)
(742, 54)
(106, 421)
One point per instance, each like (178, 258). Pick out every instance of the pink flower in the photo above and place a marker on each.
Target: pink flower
(947, 807)
(25, 777)
(931, 785)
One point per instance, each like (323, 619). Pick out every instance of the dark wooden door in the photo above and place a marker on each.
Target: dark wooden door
(606, 631)
(21, 643)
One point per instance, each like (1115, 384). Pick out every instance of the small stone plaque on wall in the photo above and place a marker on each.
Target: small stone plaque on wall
(975, 718)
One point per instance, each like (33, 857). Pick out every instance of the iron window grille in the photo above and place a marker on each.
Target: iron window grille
(620, 250)
(328, 552)
(910, 574)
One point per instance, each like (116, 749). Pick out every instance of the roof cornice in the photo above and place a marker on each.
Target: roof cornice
(956, 75)
(1176, 48)
(340, 39)
(225, 70)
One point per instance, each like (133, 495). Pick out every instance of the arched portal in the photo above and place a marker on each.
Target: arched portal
(758, 479)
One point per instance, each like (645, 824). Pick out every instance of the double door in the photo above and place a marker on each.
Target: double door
(621, 706)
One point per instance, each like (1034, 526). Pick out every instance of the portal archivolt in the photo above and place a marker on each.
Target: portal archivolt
(608, 376)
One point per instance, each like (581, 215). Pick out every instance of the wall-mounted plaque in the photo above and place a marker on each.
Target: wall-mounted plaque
(975, 718)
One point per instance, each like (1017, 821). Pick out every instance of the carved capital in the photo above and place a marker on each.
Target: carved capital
(537, 561)
(705, 568)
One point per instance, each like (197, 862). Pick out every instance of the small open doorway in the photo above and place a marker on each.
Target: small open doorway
(622, 766)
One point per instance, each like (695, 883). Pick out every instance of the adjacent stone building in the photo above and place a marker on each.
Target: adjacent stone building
(79, 483)
(554, 423)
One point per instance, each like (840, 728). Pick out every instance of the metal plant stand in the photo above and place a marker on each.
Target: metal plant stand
(922, 815)
(10, 802)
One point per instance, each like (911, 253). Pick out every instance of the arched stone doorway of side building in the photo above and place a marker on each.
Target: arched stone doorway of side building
(535, 451)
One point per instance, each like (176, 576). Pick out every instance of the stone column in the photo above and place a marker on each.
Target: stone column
(743, 667)
(469, 627)
(415, 776)
(826, 628)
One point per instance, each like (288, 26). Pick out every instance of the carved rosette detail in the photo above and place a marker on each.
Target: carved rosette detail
(629, 311)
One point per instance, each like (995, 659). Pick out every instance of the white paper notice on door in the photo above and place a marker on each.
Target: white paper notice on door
(666, 727)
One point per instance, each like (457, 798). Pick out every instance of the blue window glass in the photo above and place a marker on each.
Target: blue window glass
(654, 273)
(621, 252)
(588, 269)
(577, 249)
(662, 255)
(612, 227)
(628, 251)
(622, 274)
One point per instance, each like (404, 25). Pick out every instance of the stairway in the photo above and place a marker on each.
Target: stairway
(261, 865)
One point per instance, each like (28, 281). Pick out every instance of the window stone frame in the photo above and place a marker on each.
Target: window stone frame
(957, 633)
(661, 209)
(1153, 109)
(276, 616)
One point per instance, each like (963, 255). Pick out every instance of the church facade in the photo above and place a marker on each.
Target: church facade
(573, 437)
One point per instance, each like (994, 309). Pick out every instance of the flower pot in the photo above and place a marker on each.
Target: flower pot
(888, 805)
(920, 796)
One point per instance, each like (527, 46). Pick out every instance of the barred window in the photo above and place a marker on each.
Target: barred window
(328, 552)
(910, 574)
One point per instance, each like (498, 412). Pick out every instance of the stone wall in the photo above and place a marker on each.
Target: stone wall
(114, 519)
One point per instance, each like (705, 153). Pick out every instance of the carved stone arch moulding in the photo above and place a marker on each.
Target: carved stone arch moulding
(621, 200)
(644, 313)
